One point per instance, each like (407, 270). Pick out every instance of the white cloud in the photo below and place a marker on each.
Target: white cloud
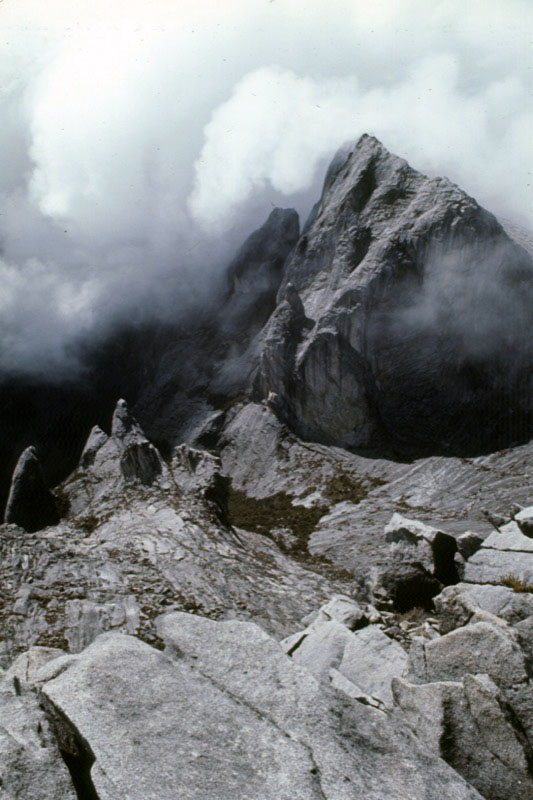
(277, 127)
(120, 131)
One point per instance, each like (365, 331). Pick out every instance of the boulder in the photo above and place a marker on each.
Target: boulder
(524, 520)
(368, 658)
(468, 725)
(507, 554)
(456, 605)
(422, 560)
(30, 504)
(344, 610)
(223, 713)
(479, 647)
(31, 765)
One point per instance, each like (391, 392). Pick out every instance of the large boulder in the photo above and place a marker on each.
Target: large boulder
(489, 647)
(469, 725)
(421, 562)
(31, 765)
(223, 713)
(30, 504)
(457, 605)
(505, 556)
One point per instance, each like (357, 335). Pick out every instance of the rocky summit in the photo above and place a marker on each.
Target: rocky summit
(283, 547)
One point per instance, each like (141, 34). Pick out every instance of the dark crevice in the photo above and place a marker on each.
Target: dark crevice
(74, 750)
(444, 550)
(447, 742)
(296, 645)
(360, 246)
(415, 591)
(364, 188)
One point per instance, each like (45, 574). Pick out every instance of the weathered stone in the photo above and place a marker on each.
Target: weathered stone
(223, 714)
(524, 519)
(455, 608)
(30, 504)
(500, 600)
(28, 664)
(524, 629)
(368, 658)
(30, 762)
(97, 438)
(344, 610)
(467, 724)
(495, 565)
(510, 539)
(480, 647)
(456, 605)
(142, 461)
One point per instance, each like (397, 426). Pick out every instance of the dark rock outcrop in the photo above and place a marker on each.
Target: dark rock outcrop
(30, 504)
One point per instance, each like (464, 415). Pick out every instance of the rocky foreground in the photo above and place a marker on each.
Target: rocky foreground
(153, 646)
(297, 562)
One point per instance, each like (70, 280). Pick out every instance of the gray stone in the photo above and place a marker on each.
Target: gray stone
(368, 658)
(524, 518)
(26, 667)
(97, 438)
(510, 539)
(30, 504)
(494, 565)
(344, 610)
(467, 724)
(30, 763)
(434, 549)
(524, 629)
(223, 713)
(457, 605)
(480, 647)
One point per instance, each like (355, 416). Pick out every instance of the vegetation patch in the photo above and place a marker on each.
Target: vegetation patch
(264, 515)
(516, 584)
(87, 523)
(345, 487)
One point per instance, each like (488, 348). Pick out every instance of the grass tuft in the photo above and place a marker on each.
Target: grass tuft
(516, 584)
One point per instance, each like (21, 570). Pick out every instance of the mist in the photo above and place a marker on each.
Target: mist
(138, 151)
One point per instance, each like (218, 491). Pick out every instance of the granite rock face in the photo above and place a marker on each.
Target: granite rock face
(405, 334)
(135, 543)
(223, 713)
(30, 761)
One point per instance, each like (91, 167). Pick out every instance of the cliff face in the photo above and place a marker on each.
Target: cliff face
(414, 318)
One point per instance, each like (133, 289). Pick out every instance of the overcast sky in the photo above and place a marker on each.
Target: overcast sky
(141, 140)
